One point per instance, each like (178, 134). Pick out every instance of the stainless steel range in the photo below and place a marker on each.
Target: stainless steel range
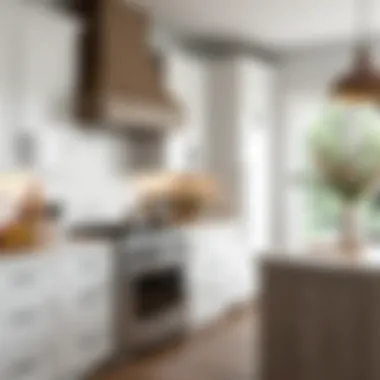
(150, 288)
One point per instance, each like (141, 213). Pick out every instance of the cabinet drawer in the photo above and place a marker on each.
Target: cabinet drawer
(91, 304)
(89, 265)
(27, 321)
(27, 362)
(89, 347)
(24, 281)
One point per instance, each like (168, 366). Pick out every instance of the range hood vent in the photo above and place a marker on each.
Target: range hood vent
(121, 81)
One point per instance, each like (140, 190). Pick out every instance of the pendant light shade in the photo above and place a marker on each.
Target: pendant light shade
(362, 82)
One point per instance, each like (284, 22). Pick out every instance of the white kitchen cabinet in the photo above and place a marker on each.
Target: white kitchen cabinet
(56, 314)
(49, 49)
(86, 307)
(28, 361)
(218, 271)
(40, 50)
(7, 93)
(38, 54)
(26, 318)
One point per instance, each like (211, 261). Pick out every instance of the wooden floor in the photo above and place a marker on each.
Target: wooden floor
(224, 352)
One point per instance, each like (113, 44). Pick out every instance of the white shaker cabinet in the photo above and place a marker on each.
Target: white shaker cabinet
(49, 47)
(7, 90)
(27, 328)
(56, 313)
(38, 54)
(218, 275)
(86, 307)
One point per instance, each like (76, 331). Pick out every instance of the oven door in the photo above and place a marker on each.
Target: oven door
(156, 292)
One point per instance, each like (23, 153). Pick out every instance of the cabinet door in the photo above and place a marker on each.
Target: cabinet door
(7, 77)
(218, 272)
(49, 50)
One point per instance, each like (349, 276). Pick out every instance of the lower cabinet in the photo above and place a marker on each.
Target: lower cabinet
(56, 313)
(219, 271)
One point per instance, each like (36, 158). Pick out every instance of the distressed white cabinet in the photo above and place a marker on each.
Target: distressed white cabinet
(56, 313)
(26, 319)
(49, 48)
(38, 53)
(7, 93)
(218, 271)
(86, 307)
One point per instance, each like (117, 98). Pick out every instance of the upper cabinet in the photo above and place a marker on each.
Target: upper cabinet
(5, 86)
(50, 48)
(43, 50)
(120, 76)
(37, 71)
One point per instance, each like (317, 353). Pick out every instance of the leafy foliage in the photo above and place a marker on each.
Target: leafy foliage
(345, 145)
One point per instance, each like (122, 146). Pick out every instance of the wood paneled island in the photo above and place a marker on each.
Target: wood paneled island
(321, 319)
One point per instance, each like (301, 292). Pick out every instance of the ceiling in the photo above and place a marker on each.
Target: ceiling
(275, 23)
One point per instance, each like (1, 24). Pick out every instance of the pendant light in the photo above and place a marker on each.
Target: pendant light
(362, 82)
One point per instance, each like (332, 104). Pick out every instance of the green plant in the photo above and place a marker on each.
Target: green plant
(345, 146)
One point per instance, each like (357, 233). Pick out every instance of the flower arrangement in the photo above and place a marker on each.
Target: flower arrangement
(345, 146)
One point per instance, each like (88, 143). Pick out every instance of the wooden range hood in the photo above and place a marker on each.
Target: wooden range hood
(120, 76)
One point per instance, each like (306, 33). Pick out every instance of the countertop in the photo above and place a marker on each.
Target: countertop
(369, 260)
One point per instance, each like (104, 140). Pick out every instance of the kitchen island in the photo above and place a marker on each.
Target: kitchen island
(320, 318)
